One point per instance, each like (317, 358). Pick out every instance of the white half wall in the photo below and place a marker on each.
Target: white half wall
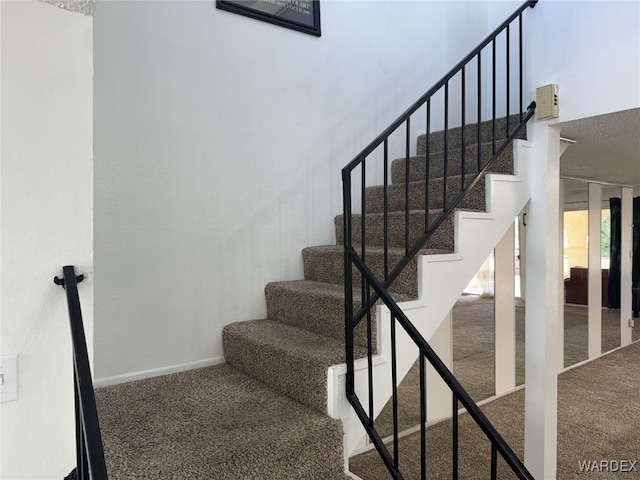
(46, 222)
(218, 149)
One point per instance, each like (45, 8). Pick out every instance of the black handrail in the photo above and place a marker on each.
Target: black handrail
(90, 462)
(372, 288)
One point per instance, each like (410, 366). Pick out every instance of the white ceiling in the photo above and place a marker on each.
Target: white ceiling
(607, 148)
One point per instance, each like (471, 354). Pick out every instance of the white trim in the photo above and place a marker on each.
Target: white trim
(352, 475)
(589, 360)
(599, 182)
(156, 372)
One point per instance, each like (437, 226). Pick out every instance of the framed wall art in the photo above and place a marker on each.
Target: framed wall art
(301, 15)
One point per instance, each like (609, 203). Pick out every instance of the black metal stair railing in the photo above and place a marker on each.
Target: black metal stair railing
(496, 95)
(90, 462)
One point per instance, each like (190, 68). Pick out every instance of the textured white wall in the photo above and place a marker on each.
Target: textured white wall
(591, 49)
(46, 222)
(219, 144)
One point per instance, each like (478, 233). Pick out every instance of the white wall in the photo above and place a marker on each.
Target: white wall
(218, 149)
(591, 49)
(46, 222)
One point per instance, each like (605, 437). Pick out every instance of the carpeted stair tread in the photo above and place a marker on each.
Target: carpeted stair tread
(326, 264)
(314, 306)
(417, 164)
(454, 135)
(441, 239)
(214, 423)
(396, 197)
(291, 360)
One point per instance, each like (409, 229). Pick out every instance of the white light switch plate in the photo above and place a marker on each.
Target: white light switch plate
(8, 378)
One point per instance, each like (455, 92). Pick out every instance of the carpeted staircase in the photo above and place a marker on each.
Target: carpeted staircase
(303, 334)
(287, 355)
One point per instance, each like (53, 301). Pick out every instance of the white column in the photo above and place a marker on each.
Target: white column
(560, 325)
(626, 266)
(522, 237)
(543, 288)
(505, 314)
(594, 297)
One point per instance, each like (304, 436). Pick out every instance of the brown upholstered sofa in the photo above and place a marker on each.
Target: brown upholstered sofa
(576, 286)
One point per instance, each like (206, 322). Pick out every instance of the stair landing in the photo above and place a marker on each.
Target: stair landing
(214, 423)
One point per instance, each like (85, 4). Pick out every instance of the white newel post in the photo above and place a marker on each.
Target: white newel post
(543, 298)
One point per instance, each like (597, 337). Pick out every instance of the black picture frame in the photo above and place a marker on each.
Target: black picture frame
(300, 15)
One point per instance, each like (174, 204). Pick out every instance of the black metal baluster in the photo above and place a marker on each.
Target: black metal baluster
(385, 214)
(406, 188)
(493, 77)
(455, 436)
(348, 281)
(508, 75)
(494, 462)
(427, 167)
(394, 381)
(423, 418)
(363, 227)
(370, 357)
(462, 141)
(446, 145)
(520, 64)
(479, 109)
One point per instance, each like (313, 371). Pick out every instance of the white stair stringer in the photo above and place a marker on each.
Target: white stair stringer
(441, 280)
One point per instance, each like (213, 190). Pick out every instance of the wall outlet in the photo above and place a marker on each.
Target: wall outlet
(8, 378)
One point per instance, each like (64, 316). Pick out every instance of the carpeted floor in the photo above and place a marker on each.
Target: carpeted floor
(213, 423)
(598, 420)
(473, 353)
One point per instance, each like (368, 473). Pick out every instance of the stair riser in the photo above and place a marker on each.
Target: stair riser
(471, 135)
(374, 230)
(329, 267)
(417, 165)
(323, 314)
(396, 197)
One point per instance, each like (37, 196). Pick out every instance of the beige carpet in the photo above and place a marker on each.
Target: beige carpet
(214, 424)
(473, 353)
(598, 420)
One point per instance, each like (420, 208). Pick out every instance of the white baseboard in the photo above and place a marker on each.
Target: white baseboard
(156, 372)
